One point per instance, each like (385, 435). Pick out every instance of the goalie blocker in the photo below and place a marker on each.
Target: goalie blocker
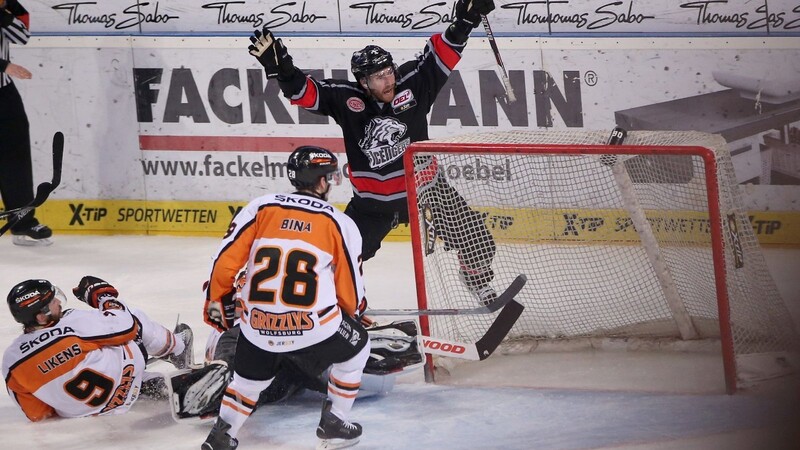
(196, 392)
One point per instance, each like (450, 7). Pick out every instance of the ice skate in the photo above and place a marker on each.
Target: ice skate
(219, 439)
(486, 295)
(185, 358)
(37, 235)
(334, 432)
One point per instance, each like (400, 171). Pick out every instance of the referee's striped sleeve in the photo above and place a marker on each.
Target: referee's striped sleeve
(15, 33)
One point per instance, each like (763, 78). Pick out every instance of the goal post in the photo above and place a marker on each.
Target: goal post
(647, 240)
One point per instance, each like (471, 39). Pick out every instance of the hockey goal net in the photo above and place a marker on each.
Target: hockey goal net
(644, 240)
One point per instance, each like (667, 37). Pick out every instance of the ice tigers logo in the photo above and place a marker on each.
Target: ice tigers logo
(383, 141)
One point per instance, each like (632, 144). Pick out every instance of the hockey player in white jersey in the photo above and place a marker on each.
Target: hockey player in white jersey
(76, 363)
(394, 351)
(301, 299)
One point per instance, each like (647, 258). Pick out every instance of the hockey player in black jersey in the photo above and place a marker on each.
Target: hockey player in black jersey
(381, 114)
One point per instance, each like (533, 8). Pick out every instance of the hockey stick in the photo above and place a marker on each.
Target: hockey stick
(492, 43)
(618, 135)
(485, 346)
(501, 301)
(42, 191)
(644, 230)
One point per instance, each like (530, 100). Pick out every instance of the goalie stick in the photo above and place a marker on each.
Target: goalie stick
(502, 300)
(492, 43)
(42, 191)
(485, 346)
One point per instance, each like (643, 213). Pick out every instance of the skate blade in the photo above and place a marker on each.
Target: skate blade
(25, 241)
(330, 444)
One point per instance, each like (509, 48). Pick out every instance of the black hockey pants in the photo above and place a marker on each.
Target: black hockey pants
(459, 226)
(16, 174)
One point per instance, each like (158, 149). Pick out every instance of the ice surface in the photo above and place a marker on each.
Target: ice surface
(538, 401)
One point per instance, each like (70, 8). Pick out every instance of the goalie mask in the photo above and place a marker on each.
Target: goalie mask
(308, 163)
(31, 297)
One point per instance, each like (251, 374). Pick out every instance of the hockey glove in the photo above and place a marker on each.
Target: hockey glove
(470, 11)
(468, 17)
(272, 54)
(197, 392)
(221, 314)
(93, 291)
(5, 18)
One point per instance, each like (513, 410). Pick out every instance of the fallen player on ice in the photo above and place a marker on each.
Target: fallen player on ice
(197, 394)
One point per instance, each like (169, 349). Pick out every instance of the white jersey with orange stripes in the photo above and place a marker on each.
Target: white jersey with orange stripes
(86, 364)
(303, 259)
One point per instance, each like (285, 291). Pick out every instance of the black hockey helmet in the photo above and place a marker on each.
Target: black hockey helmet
(308, 163)
(29, 298)
(369, 60)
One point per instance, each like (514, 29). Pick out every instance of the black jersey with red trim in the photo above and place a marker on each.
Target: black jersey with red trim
(377, 134)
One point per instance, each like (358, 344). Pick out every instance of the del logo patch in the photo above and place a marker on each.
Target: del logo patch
(403, 101)
(355, 104)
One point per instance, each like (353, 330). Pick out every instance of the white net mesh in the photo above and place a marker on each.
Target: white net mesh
(612, 246)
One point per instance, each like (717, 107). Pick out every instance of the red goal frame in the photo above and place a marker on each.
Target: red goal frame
(715, 216)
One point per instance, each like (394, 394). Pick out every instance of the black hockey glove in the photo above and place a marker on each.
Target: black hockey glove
(221, 314)
(272, 54)
(5, 18)
(470, 11)
(92, 291)
(15, 7)
(468, 17)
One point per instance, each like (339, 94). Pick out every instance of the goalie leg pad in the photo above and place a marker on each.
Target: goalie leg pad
(372, 385)
(196, 392)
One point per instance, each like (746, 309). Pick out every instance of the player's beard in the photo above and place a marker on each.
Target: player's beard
(384, 95)
(387, 94)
